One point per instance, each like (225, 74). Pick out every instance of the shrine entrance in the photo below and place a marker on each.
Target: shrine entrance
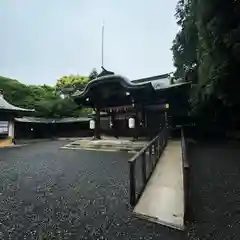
(126, 103)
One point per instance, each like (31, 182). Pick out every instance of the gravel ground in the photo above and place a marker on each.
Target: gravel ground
(215, 191)
(48, 193)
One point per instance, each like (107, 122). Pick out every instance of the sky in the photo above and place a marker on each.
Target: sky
(42, 40)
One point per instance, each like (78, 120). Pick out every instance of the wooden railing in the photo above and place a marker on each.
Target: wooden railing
(185, 167)
(184, 149)
(148, 158)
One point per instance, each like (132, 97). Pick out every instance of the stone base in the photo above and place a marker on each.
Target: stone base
(108, 144)
(5, 142)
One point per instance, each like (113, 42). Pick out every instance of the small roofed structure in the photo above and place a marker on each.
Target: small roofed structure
(144, 101)
(7, 114)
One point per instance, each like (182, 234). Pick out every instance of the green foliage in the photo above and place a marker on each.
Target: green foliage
(42, 98)
(185, 43)
(208, 47)
(93, 74)
(71, 80)
(69, 84)
(46, 100)
(57, 108)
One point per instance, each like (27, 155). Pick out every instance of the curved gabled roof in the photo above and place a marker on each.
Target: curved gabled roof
(118, 79)
(116, 90)
(4, 105)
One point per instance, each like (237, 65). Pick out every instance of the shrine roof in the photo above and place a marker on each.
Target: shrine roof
(6, 106)
(115, 90)
(51, 120)
(110, 79)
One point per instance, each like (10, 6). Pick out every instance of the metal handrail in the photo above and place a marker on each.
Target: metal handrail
(184, 166)
(154, 149)
(143, 150)
(183, 146)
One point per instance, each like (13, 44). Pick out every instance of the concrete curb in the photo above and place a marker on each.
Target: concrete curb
(98, 149)
(32, 141)
(14, 146)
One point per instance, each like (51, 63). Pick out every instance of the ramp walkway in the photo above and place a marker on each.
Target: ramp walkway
(162, 200)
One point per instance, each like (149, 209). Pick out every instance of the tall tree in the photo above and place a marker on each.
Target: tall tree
(208, 45)
(185, 43)
(93, 74)
(67, 85)
(42, 98)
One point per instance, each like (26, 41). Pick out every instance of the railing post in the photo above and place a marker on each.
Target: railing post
(144, 172)
(164, 137)
(153, 156)
(166, 134)
(160, 146)
(148, 163)
(155, 152)
(150, 157)
(132, 184)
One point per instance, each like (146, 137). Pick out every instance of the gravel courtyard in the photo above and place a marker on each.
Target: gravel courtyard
(49, 193)
(214, 191)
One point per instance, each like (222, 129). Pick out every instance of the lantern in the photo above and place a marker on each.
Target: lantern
(131, 123)
(167, 106)
(92, 124)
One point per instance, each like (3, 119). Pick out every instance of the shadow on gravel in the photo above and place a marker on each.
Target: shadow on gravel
(214, 196)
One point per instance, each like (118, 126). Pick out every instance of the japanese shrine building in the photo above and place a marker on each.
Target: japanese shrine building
(147, 100)
(7, 114)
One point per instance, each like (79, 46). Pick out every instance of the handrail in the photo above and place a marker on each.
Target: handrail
(185, 166)
(183, 145)
(143, 150)
(154, 149)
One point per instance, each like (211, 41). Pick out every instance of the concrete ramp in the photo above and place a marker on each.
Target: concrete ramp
(163, 198)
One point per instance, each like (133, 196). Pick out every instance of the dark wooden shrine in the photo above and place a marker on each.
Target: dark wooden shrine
(122, 99)
(7, 114)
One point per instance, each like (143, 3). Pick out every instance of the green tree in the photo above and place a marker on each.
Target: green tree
(67, 85)
(93, 74)
(43, 99)
(57, 108)
(185, 43)
(207, 49)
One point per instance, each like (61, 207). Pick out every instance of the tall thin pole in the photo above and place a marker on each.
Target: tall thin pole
(102, 43)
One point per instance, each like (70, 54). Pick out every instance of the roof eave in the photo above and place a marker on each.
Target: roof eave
(111, 78)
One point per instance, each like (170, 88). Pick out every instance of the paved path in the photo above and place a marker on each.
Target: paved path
(215, 191)
(48, 193)
(163, 198)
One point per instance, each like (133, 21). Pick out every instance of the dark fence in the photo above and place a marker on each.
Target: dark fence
(143, 163)
(42, 130)
(183, 145)
(185, 167)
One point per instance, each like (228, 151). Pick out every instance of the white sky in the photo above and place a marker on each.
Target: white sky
(42, 40)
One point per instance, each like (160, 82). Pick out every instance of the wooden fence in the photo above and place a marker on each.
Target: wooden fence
(148, 158)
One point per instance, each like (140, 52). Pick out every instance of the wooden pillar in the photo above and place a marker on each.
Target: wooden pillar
(115, 128)
(11, 129)
(136, 129)
(97, 124)
(166, 119)
(143, 120)
(143, 117)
